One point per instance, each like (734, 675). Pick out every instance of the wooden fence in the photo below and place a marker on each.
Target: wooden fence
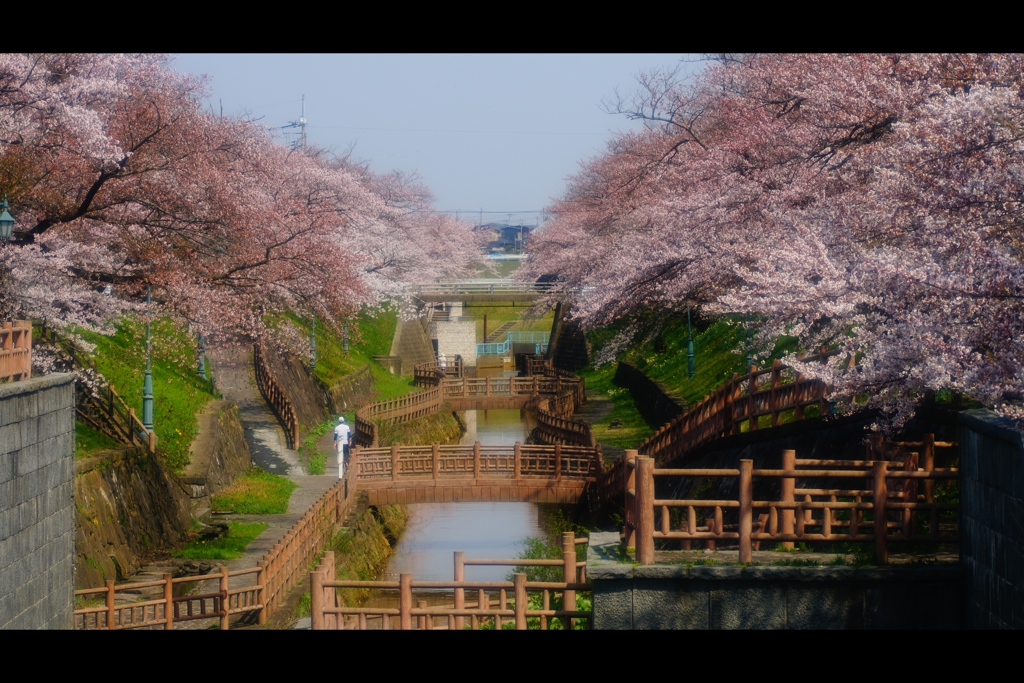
(419, 463)
(566, 392)
(276, 574)
(743, 399)
(275, 395)
(220, 604)
(837, 516)
(105, 410)
(16, 350)
(328, 613)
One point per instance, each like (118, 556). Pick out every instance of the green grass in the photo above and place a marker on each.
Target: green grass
(257, 492)
(370, 334)
(227, 547)
(178, 395)
(501, 312)
(440, 427)
(89, 440)
(634, 428)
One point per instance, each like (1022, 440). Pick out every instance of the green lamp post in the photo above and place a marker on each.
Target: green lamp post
(312, 343)
(691, 365)
(6, 223)
(344, 332)
(147, 383)
(201, 361)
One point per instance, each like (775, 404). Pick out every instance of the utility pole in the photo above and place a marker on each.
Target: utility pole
(301, 125)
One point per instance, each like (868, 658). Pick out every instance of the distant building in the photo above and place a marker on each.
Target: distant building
(504, 236)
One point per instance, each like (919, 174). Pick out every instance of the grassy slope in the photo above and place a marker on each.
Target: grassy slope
(177, 393)
(661, 354)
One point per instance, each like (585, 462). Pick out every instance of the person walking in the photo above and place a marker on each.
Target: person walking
(342, 441)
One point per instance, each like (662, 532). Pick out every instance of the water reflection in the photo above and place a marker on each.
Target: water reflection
(437, 530)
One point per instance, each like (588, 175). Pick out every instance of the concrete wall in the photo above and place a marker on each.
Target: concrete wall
(456, 337)
(656, 402)
(759, 597)
(992, 519)
(37, 510)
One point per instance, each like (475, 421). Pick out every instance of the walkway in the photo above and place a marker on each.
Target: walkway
(266, 441)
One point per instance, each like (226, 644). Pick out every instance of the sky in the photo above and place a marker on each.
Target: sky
(497, 133)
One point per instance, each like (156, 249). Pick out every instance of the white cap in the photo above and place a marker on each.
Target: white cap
(341, 419)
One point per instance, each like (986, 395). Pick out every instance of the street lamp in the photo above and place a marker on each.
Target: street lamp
(344, 331)
(201, 361)
(6, 222)
(147, 383)
(690, 364)
(312, 342)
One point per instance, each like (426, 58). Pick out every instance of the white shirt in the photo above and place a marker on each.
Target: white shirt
(341, 433)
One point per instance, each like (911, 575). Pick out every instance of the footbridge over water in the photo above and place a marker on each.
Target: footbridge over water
(474, 473)
(481, 290)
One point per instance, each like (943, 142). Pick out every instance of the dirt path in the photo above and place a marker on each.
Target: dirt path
(597, 407)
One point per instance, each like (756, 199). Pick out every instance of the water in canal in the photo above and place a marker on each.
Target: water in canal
(436, 530)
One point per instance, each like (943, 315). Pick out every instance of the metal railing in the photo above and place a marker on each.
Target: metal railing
(538, 339)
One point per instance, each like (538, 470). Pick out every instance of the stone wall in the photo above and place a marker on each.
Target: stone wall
(412, 343)
(127, 504)
(304, 390)
(37, 524)
(992, 519)
(219, 453)
(352, 391)
(656, 402)
(676, 597)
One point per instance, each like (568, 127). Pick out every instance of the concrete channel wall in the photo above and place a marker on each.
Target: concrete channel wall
(992, 519)
(628, 597)
(37, 507)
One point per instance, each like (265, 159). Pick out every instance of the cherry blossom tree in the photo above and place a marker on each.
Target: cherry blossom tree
(866, 201)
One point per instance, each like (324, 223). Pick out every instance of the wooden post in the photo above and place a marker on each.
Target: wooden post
(558, 461)
(110, 605)
(152, 441)
(476, 459)
(487, 386)
(535, 390)
(405, 602)
(666, 519)
(131, 426)
(788, 489)
(521, 601)
(710, 543)
(517, 454)
(485, 328)
(316, 600)
(878, 472)
(224, 598)
(423, 622)
(460, 593)
(645, 510)
(435, 453)
(168, 603)
(569, 574)
(691, 526)
(261, 583)
(746, 509)
(629, 530)
(394, 462)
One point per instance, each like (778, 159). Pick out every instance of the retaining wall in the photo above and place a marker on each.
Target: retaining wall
(37, 523)
(762, 597)
(992, 519)
(656, 402)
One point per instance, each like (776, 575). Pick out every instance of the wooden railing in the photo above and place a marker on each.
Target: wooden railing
(432, 370)
(275, 395)
(220, 604)
(484, 286)
(564, 390)
(743, 399)
(882, 492)
(105, 410)
(374, 466)
(328, 612)
(16, 350)
(276, 574)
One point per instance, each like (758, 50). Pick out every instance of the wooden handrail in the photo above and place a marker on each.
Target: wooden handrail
(16, 350)
(789, 519)
(744, 398)
(275, 395)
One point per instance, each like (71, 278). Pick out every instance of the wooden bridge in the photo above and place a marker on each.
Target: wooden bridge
(464, 473)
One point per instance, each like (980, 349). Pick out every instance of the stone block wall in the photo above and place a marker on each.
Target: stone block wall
(37, 507)
(992, 519)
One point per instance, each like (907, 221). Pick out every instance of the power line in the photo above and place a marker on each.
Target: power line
(447, 130)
